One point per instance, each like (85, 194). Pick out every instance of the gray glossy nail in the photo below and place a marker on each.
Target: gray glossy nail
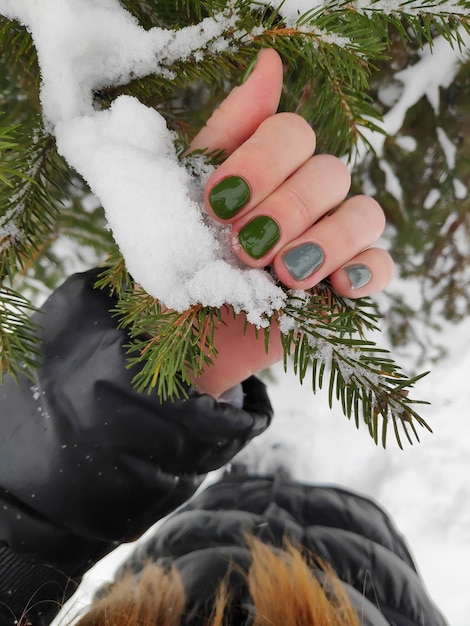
(304, 260)
(359, 275)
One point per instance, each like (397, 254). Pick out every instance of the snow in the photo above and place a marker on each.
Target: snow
(431, 199)
(392, 183)
(449, 149)
(460, 190)
(406, 143)
(436, 68)
(127, 154)
(291, 10)
(425, 487)
(85, 45)
(130, 143)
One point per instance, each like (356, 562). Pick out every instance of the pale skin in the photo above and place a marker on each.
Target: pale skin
(305, 195)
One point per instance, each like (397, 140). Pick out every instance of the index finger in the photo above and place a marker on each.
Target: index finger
(245, 107)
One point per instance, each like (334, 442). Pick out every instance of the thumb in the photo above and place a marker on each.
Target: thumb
(244, 108)
(241, 352)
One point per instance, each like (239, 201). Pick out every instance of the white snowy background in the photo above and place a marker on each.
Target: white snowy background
(425, 487)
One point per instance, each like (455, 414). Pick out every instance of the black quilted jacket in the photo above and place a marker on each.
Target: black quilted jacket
(87, 463)
(207, 537)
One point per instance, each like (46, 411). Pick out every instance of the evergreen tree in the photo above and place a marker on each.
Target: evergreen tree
(341, 58)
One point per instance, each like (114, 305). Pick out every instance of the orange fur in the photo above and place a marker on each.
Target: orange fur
(285, 590)
(157, 599)
(283, 586)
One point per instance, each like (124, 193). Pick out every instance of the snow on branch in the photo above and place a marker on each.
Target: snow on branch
(292, 10)
(153, 200)
(127, 154)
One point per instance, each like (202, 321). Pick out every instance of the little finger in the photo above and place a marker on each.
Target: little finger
(330, 243)
(367, 273)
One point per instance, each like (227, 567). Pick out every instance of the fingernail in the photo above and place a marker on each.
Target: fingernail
(359, 275)
(229, 197)
(259, 236)
(304, 260)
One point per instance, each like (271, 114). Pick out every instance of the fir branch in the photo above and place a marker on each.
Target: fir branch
(28, 207)
(19, 73)
(115, 277)
(325, 332)
(321, 331)
(168, 347)
(40, 202)
(10, 161)
(22, 230)
(18, 343)
(330, 53)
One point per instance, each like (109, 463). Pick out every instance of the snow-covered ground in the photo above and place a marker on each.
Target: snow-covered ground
(425, 487)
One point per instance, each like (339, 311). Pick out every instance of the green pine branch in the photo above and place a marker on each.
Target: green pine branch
(321, 332)
(330, 56)
(19, 347)
(17, 342)
(39, 204)
(328, 334)
(30, 201)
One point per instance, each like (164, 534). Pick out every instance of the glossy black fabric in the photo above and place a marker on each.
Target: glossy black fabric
(208, 536)
(86, 462)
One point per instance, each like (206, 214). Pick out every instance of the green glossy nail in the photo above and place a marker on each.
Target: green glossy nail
(259, 236)
(229, 197)
(303, 260)
(359, 275)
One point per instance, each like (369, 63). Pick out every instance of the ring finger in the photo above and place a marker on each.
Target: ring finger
(330, 243)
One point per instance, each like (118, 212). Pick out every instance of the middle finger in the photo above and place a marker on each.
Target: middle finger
(279, 146)
(316, 188)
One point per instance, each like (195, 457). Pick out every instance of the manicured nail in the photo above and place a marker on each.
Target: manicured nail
(229, 197)
(259, 236)
(304, 260)
(359, 275)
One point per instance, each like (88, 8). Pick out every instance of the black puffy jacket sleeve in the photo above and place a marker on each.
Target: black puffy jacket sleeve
(86, 462)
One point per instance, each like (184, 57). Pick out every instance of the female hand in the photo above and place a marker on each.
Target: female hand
(287, 208)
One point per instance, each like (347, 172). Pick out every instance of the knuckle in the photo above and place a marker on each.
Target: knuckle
(374, 214)
(337, 169)
(299, 129)
(298, 205)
